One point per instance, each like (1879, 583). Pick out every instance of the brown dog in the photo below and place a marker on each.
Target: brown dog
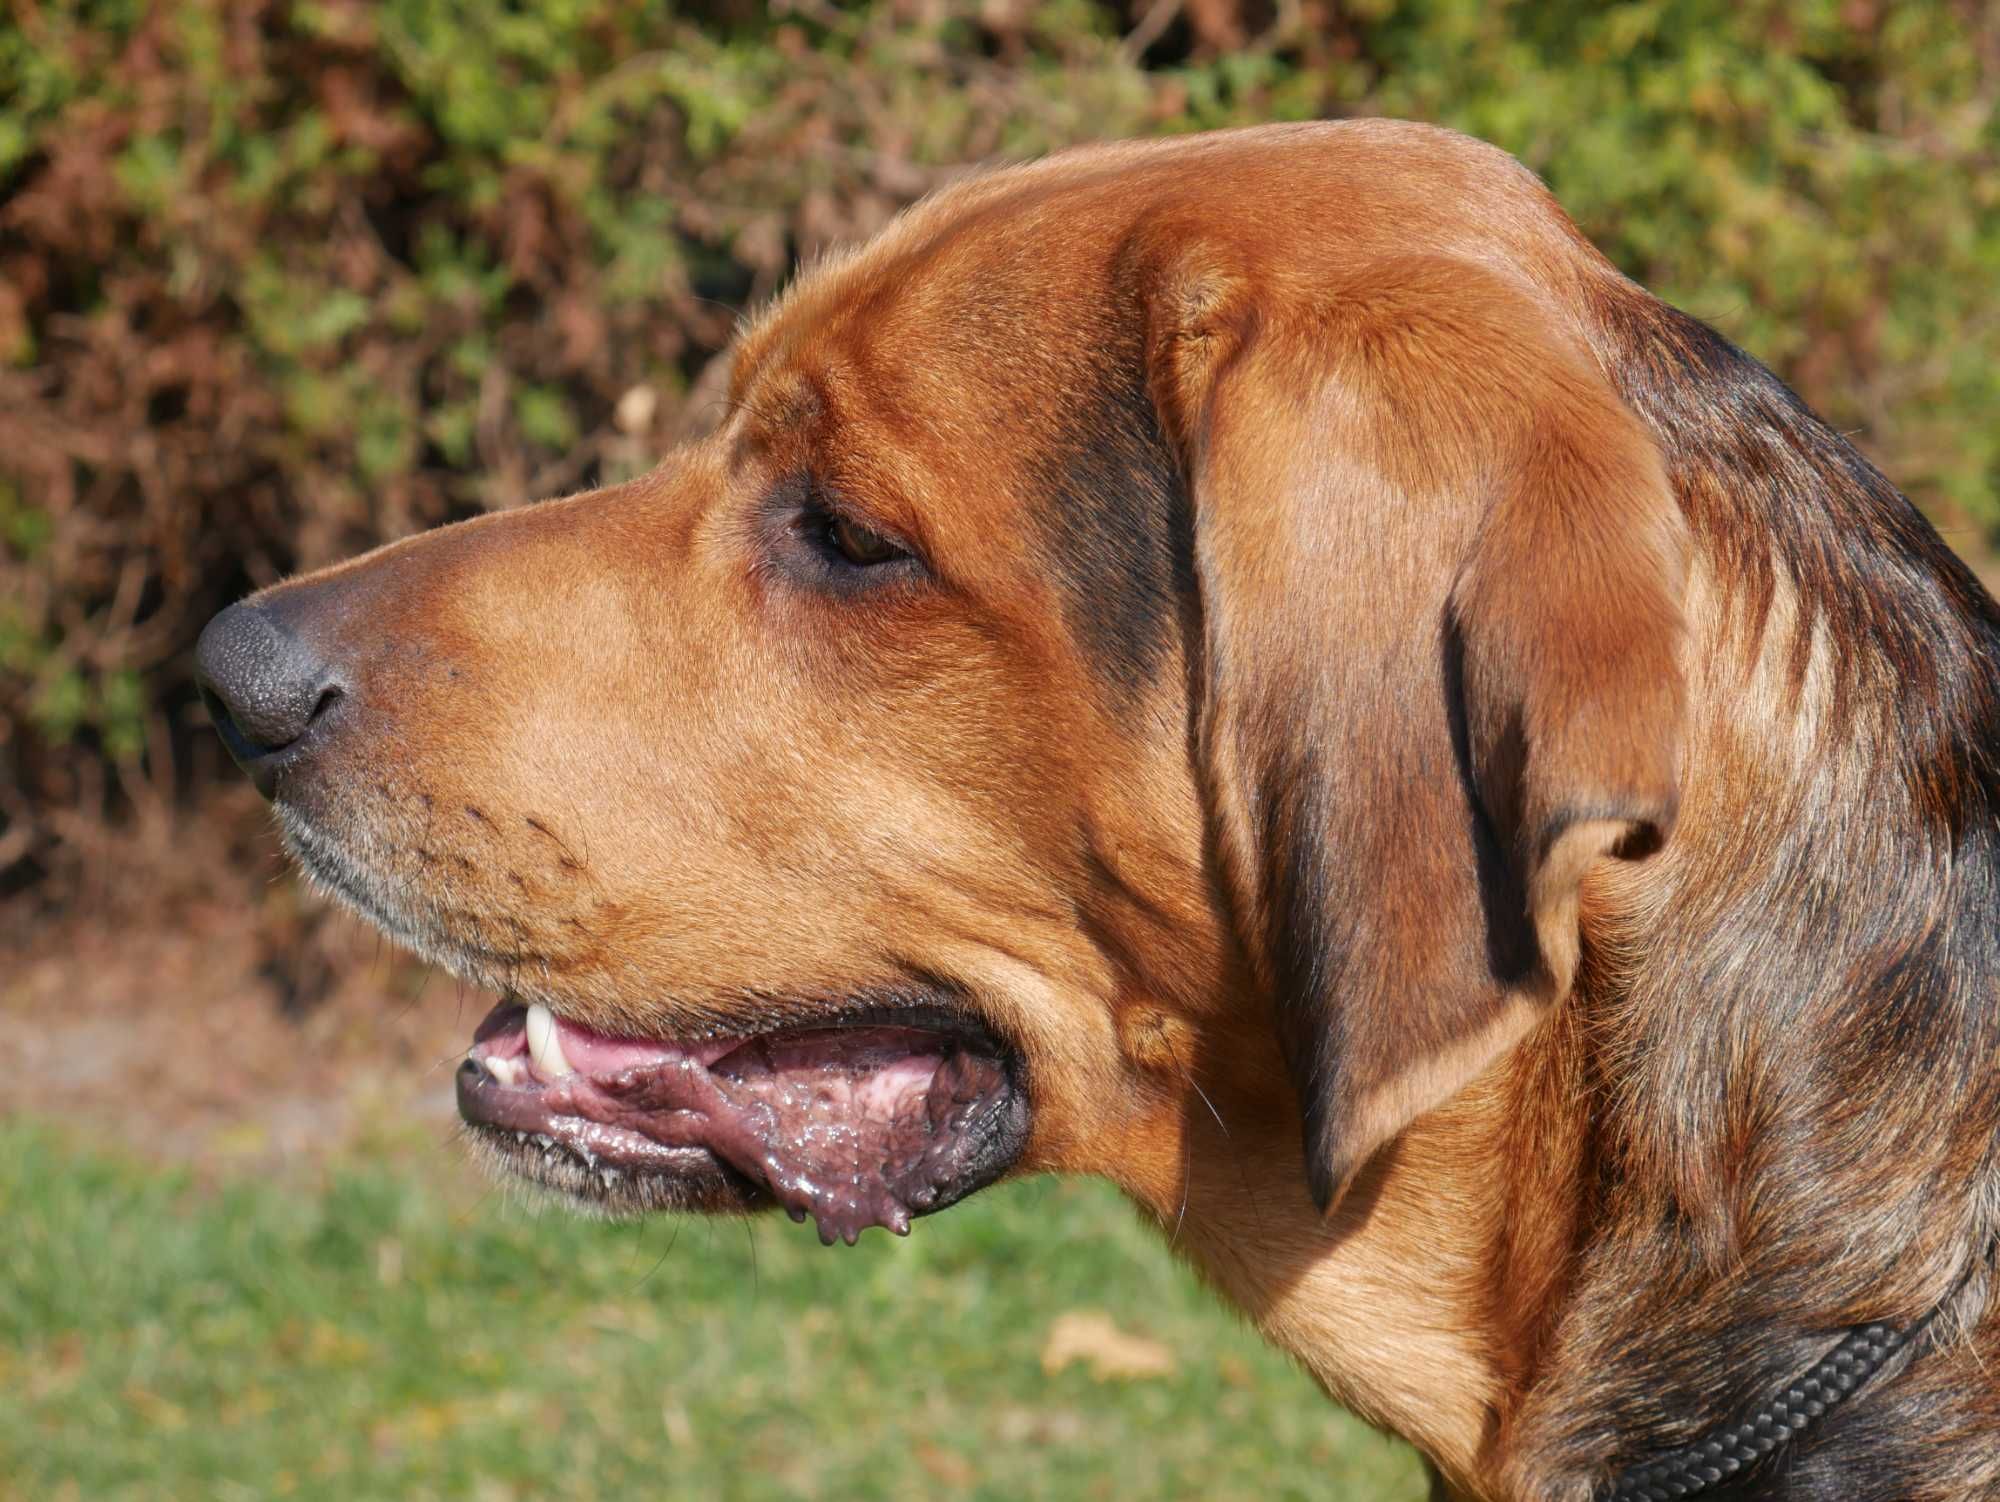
(1186, 649)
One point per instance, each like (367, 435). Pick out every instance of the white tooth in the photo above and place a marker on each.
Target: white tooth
(506, 1071)
(544, 1047)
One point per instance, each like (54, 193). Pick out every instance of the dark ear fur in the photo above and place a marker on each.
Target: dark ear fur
(1441, 575)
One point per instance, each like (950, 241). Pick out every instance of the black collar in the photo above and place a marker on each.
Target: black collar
(1728, 1451)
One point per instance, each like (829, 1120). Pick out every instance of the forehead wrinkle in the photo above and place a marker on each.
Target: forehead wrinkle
(975, 248)
(779, 406)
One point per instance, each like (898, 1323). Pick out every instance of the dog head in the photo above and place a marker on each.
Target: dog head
(1168, 621)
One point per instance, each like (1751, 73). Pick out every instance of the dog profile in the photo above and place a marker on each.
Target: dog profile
(1259, 667)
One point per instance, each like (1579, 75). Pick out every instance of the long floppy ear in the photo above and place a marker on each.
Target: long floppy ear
(1441, 573)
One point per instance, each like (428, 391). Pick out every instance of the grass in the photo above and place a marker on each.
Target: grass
(379, 1338)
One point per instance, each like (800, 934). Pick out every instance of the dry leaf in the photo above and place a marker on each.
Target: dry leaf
(947, 1467)
(1089, 1335)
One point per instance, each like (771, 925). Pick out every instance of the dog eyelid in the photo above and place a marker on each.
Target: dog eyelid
(860, 545)
(843, 539)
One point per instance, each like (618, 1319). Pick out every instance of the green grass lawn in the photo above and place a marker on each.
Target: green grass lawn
(386, 1338)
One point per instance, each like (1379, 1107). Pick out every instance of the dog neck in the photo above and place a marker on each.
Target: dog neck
(1389, 1303)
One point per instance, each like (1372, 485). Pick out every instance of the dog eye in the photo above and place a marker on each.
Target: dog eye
(859, 545)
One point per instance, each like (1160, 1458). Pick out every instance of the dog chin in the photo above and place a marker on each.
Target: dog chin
(538, 1166)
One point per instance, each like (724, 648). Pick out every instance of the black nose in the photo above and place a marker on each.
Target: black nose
(265, 687)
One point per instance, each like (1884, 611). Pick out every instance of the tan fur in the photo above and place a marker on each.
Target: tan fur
(1366, 837)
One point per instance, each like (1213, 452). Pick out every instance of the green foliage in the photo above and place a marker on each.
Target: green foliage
(280, 283)
(25, 529)
(371, 1342)
(1816, 178)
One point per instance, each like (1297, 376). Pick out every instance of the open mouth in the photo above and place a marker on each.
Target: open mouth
(866, 1121)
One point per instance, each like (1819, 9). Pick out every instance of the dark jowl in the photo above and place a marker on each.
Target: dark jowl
(866, 1123)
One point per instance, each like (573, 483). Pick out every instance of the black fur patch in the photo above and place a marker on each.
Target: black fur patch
(1120, 529)
(1308, 954)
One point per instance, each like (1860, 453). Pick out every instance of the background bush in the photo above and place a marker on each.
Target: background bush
(278, 282)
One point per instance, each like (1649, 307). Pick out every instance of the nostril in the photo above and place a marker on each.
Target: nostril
(264, 685)
(331, 695)
(241, 748)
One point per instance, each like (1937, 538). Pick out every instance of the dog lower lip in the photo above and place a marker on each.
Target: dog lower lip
(863, 1121)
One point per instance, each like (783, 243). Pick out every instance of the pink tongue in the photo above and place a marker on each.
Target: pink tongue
(600, 1055)
(856, 1128)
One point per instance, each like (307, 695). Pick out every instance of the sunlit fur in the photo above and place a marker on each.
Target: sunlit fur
(1476, 809)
